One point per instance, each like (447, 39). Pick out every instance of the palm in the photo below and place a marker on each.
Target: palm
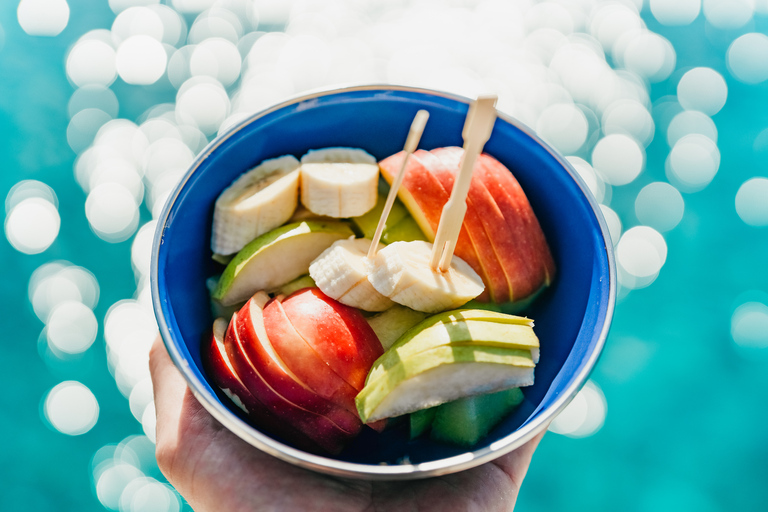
(215, 470)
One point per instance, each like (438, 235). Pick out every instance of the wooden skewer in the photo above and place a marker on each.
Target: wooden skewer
(411, 143)
(477, 131)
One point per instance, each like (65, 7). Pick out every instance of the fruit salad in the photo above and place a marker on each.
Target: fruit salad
(317, 335)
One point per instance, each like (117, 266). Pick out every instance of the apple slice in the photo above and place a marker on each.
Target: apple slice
(425, 337)
(440, 375)
(326, 434)
(506, 246)
(223, 374)
(497, 283)
(467, 420)
(259, 350)
(424, 196)
(338, 333)
(518, 213)
(275, 258)
(389, 325)
(303, 361)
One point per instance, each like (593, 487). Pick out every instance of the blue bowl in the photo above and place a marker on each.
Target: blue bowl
(572, 317)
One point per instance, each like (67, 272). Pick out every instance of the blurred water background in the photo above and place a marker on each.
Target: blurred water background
(660, 105)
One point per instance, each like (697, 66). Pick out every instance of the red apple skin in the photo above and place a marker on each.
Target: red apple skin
(259, 351)
(304, 361)
(519, 214)
(222, 372)
(338, 333)
(424, 196)
(328, 436)
(445, 171)
(512, 248)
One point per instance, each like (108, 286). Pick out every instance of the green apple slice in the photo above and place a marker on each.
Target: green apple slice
(389, 325)
(421, 421)
(407, 230)
(464, 332)
(368, 222)
(297, 284)
(440, 375)
(467, 420)
(276, 258)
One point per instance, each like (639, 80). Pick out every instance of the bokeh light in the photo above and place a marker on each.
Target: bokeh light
(32, 225)
(747, 58)
(112, 212)
(640, 255)
(59, 281)
(141, 60)
(702, 89)
(613, 222)
(584, 416)
(675, 12)
(71, 327)
(43, 17)
(660, 206)
(92, 61)
(728, 14)
(629, 117)
(752, 201)
(618, 159)
(690, 122)
(71, 408)
(692, 163)
(564, 126)
(749, 325)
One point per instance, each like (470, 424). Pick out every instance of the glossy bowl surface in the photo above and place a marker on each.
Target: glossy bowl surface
(572, 317)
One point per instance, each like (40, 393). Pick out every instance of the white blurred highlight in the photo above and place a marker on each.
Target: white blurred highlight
(71, 408)
(747, 58)
(702, 89)
(752, 202)
(640, 255)
(675, 12)
(584, 416)
(43, 17)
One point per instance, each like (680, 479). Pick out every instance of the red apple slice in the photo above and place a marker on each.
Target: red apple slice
(424, 196)
(223, 374)
(519, 214)
(338, 333)
(325, 433)
(302, 359)
(258, 348)
(512, 248)
(497, 283)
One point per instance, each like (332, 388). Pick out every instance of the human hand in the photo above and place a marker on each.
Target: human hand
(217, 471)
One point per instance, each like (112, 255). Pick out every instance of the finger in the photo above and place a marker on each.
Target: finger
(169, 389)
(516, 463)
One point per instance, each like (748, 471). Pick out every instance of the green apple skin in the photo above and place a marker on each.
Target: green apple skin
(276, 258)
(441, 375)
(389, 325)
(407, 230)
(297, 284)
(464, 332)
(467, 420)
(421, 421)
(368, 222)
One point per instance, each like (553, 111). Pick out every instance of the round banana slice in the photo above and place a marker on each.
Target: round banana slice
(339, 182)
(257, 202)
(401, 271)
(341, 272)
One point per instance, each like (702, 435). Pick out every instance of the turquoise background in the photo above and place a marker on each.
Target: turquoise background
(686, 409)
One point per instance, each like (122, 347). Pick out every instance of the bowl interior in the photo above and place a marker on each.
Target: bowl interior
(570, 317)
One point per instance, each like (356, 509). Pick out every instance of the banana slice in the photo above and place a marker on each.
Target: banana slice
(401, 271)
(339, 182)
(341, 272)
(257, 202)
